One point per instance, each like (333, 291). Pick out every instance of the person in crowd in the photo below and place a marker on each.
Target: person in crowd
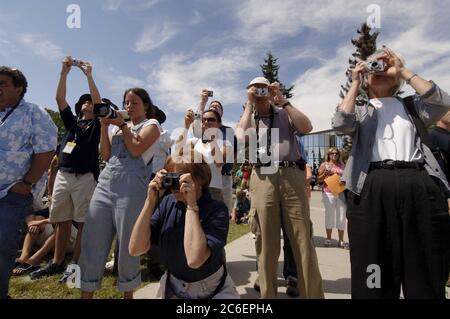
(120, 193)
(210, 146)
(27, 144)
(270, 205)
(398, 219)
(165, 142)
(78, 169)
(335, 206)
(241, 207)
(191, 228)
(440, 139)
(229, 137)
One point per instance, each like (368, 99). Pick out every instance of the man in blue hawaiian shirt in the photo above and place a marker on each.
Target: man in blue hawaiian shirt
(28, 139)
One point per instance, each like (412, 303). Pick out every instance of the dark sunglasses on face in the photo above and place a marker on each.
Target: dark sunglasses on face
(209, 119)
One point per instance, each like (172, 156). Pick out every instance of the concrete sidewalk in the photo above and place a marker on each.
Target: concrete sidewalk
(334, 263)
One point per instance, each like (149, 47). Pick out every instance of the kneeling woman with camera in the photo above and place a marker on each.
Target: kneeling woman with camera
(190, 229)
(120, 193)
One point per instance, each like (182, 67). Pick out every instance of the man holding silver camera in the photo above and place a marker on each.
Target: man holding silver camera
(279, 197)
(78, 168)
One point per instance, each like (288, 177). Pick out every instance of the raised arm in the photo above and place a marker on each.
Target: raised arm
(195, 244)
(246, 119)
(95, 94)
(62, 84)
(140, 241)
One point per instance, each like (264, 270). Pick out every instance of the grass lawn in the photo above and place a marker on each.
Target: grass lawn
(49, 288)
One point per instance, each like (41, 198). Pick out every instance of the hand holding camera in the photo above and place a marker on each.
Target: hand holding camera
(156, 184)
(188, 118)
(188, 189)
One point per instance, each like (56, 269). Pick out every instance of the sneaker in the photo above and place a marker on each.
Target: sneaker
(66, 274)
(327, 243)
(49, 270)
(291, 288)
(343, 245)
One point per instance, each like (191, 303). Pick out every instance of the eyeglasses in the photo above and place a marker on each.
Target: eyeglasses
(209, 120)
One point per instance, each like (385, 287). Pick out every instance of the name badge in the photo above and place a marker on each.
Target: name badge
(69, 147)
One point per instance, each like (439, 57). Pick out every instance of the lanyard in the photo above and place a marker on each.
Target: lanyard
(269, 133)
(83, 129)
(7, 115)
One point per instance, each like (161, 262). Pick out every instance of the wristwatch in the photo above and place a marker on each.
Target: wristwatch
(24, 181)
(193, 208)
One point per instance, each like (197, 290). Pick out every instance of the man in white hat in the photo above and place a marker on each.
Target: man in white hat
(280, 196)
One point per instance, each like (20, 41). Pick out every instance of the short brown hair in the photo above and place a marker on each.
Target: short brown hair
(200, 172)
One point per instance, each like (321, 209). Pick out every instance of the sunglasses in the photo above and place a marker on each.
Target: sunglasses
(209, 120)
(334, 153)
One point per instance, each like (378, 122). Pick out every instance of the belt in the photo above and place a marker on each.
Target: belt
(296, 164)
(391, 164)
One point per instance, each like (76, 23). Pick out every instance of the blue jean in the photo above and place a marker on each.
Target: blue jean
(13, 210)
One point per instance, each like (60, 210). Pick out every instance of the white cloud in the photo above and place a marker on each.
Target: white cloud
(316, 92)
(178, 79)
(41, 47)
(116, 82)
(154, 37)
(112, 5)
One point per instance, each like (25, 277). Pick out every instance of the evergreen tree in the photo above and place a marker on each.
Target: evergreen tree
(270, 72)
(58, 122)
(366, 45)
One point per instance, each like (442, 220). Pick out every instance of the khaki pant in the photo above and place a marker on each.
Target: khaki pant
(275, 197)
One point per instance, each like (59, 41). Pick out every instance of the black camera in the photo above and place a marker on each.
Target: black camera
(107, 109)
(172, 181)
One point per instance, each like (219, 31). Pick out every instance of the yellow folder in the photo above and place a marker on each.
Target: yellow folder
(334, 184)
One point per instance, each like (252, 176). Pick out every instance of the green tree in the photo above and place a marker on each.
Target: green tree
(366, 45)
(270, 71)
(58, 122)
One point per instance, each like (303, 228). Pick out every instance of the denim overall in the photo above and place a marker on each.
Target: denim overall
(114, 209)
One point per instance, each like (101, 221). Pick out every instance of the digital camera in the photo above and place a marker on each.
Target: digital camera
(197, 115)
(374, 66)
(262, 92)
(104, 110)
(171, 181)
(76, 62)
(210, 93)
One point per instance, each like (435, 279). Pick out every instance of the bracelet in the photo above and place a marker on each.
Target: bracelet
(285, 104)
(409, 80)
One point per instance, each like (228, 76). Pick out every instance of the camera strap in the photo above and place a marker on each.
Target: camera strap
(269, 133)
(3, 120)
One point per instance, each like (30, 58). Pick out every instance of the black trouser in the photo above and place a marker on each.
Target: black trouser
(401, 224)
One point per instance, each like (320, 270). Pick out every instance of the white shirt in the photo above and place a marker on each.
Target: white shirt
(205, 150)
(395, 135)
(135, 129)
(162, 150)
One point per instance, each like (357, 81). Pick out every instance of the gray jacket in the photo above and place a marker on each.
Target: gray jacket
(362, 126)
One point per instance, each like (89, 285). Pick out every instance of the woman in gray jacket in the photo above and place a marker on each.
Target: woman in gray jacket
(398, 219)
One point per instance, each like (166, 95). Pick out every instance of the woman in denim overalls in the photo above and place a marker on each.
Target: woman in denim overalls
(120, 194)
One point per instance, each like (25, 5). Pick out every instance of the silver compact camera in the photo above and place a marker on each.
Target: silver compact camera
(197, 115)
(76, 62)
(262, 92)
(374, 66)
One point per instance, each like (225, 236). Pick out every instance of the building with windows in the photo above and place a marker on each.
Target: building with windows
(316, 145)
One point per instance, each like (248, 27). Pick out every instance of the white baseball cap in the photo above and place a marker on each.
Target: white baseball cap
(258, 80)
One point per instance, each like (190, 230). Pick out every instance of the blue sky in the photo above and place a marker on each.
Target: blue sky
(176, 48)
